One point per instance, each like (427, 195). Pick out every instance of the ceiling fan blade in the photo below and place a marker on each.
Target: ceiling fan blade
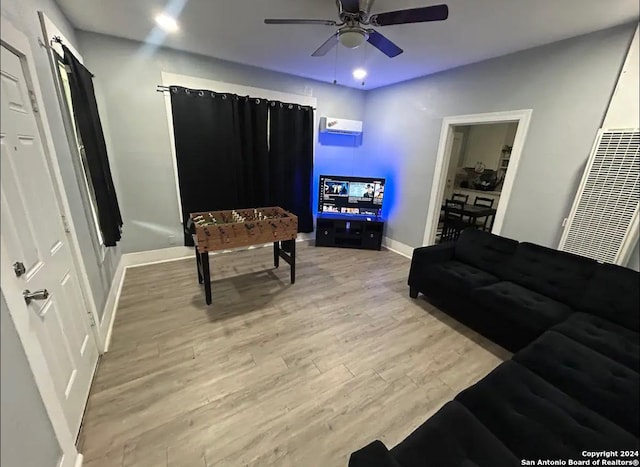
(325, 22)
(383, 44)
(326, 47)
(350, 6)
(414, 15)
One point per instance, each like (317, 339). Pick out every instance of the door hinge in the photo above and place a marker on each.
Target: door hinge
(92, 322)
(65, 223)
(34, 102)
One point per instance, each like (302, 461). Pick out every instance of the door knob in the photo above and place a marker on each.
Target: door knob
(41, 294)
(19, 269)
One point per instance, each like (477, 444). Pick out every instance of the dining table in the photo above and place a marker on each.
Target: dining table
(474, 212)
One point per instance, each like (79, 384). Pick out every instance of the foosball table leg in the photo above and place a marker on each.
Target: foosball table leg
(292, 255)
(276, 254)
(206, 276)
(198, 266)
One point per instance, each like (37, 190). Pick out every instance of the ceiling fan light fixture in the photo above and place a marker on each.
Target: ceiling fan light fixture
(352, 38)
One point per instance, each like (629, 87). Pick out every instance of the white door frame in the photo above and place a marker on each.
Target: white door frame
(100, 328)
(14, 36)
(16, 41)
(521, 117)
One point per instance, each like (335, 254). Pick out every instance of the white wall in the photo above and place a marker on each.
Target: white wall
(126, 75)
(485, 144)
(568, 85)
(512, 128)
(624, 110)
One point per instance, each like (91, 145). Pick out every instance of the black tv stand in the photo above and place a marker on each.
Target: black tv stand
(346, 231)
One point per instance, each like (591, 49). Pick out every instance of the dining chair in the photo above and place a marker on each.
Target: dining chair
(480, 201)
(453, 220)
(460, 197)
(454, 197)
(483, 202)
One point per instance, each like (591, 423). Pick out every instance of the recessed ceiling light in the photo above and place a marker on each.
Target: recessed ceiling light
(359, 73)
(166, 22)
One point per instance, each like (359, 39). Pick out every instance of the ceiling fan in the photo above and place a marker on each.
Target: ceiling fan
(355, 16)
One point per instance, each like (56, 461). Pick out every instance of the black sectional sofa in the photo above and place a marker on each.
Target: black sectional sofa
(573, 385)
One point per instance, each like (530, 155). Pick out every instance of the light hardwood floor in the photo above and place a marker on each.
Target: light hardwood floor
(270, 373)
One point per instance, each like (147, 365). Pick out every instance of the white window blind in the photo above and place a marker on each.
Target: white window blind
(605, 210)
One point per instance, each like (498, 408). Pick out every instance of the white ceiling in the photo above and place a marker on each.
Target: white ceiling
(234, 30)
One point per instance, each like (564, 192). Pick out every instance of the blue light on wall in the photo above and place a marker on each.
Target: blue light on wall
(335, 139)
(348, 158)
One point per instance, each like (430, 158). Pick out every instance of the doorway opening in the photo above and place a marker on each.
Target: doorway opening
(476, 165)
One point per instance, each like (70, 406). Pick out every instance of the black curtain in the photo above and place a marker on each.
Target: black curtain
(221, 151)
(253, 184)
(87, 118)
(291, 160)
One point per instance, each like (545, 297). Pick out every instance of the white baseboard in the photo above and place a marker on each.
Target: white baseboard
(144, 258)
(397, 247)
(305, 237)
(109, 313)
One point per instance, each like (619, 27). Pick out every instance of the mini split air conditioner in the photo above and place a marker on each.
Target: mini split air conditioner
(340, 125)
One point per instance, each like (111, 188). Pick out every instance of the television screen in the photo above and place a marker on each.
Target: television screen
(351, 195)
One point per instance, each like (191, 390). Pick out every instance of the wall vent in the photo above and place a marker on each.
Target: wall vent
(603, 223)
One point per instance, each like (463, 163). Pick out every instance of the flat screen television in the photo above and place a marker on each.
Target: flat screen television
(351, 195)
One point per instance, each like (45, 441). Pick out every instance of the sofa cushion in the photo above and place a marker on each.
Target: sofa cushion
(374, 454)
(611, 340)
(613, 294)
(457, 277)
(484, 250)
(520, 305)
(602, 384)
(511, 335)
(556, 274)
(453, 437)
(536, 420)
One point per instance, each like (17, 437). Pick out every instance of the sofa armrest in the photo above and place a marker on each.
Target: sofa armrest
(434, 253)
(428, 255)
(374, 454)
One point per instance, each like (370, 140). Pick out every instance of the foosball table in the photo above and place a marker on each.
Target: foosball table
(222, 230)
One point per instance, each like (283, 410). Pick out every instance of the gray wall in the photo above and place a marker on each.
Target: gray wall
(27, 437)
(568, 85)
(23, 14)
(126, 75)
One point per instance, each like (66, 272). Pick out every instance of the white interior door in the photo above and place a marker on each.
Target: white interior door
(34, 240)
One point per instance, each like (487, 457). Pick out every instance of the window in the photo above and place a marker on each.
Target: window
(81, 165)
